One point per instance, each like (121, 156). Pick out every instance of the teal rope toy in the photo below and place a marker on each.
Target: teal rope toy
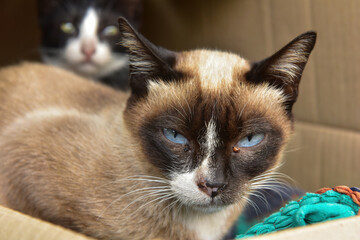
(324, 205)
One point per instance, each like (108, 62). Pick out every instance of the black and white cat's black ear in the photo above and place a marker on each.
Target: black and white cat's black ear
(284, 69)
(147, 62)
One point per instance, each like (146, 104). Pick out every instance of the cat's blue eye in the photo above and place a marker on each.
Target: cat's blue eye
(251, 140)
(110, 31)
(68, 28)
(174, 136)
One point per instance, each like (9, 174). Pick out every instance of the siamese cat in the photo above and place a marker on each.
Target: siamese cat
(174, 159)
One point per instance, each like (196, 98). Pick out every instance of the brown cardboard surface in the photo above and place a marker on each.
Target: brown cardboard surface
(321, 156)
(348, 228)
(337, 62)
(225, 25)
(17, 226)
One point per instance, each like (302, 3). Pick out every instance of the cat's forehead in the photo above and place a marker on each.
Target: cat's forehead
(213, 69)
(214, 85)
(213, 76)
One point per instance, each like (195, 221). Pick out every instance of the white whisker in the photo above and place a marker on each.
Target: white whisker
(161, 197)
(170, 205)
(242, 110)
(141, 190)
(180, 104)
(262, 198)
(178, 111)
(253, 204)
(151, 194)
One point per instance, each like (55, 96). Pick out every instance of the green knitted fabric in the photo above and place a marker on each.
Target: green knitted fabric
(312, 208)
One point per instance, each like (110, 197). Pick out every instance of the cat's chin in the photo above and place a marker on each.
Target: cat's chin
(87, 68)
(208, 209)
(95, 70)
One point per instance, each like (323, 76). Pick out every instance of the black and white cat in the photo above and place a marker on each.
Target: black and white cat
(82, 36)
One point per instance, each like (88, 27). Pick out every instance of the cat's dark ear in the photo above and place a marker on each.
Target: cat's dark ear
(147, 62)
(284, 69)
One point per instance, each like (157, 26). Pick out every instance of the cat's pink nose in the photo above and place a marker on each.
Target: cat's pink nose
(211, 189)
(88, 49)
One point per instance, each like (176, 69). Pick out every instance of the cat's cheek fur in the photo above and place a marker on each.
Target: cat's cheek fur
(117, 61)
(102, 55)
(72, 52)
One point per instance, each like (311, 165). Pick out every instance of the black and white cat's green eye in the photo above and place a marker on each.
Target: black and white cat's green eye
(174, 136)
(251, 140)
(68, 28)
(110, 31)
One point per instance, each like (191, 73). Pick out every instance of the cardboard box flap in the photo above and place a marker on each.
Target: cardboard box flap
(320, 156)
(18, 226)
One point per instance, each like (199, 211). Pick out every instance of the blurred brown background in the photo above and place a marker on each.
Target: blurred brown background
(326, 147)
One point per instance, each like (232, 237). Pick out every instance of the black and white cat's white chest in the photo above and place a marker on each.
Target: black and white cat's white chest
(82, 36)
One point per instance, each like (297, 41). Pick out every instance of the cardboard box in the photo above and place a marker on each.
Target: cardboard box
(18, 226)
